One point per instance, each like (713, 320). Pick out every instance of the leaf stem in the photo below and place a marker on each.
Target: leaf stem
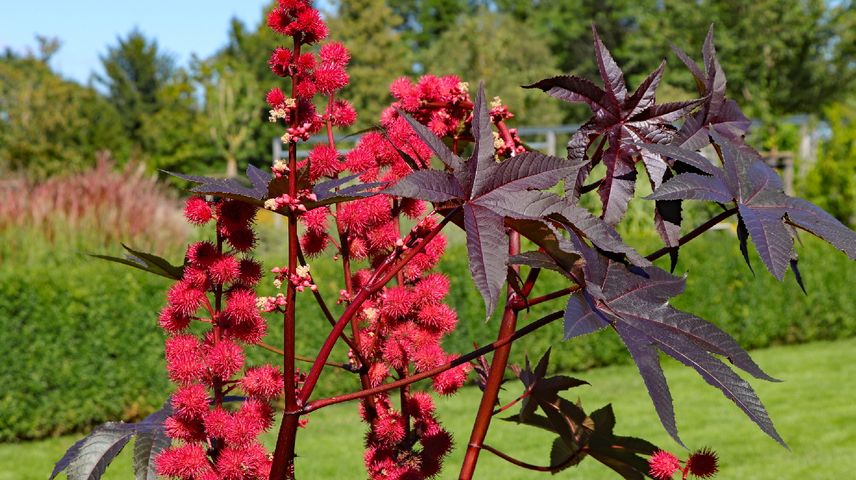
(538, 468)
(695, 232)
(495, 376)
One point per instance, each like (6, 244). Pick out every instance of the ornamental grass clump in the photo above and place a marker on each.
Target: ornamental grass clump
(441, 155)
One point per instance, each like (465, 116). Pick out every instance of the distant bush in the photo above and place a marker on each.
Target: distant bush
(76, 326)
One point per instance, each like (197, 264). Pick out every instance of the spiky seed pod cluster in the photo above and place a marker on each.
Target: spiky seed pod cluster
(211, 441)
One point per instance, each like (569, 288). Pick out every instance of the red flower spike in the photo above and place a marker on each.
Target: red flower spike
(398, 302)
(314, 242)
(343, 114)
(323, 161)
(236, 214)
(663, 465)
(250, 272)
(201, 253)
(316, 219)
(451, 380)
(183, 359)
(251, 332)
(224, 359)
(197, 211)
(248, 463)
(275, 98)
(439, 317)
(217, 422)
(432, 288)
(378, 373)
(187, 430)
(307, 27)
(190, 402)
(329, 78)
(264, 382)
(185, 462)
(305, 63)
(224, 270)
(703, 463)
(279, 62)
(412, 208)
(335, 53)
(241, 307)
(242, 239)
(173, 321)
(185, 298)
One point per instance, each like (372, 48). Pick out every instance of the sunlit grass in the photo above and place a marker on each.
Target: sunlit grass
(812, 408)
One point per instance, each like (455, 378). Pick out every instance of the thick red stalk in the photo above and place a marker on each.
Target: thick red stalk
(494, 378)
(283, 459)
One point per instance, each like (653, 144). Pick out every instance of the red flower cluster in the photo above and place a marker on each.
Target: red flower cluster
(213, 442)
(323, 73)
(297, 18)
(701, 463)
(441, 103)
(396, 450)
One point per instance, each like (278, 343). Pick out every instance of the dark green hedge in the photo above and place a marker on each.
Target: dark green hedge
(81, 346)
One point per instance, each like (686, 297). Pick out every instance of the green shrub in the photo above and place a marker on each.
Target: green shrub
(82, 345)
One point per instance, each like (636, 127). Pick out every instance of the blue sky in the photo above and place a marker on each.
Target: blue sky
(87, 27)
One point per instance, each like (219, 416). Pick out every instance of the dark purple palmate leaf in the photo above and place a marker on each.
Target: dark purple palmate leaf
(767, 215)
(88, 458)
(635, 302)
(263, 186)
(621, 121)
(146, 262)
(717, 113)
(493, 193)
(578, 435)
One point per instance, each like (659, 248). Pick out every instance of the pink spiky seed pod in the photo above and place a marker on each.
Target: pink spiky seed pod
(263, 382)
(662, 465)
(188, 461)
(703, 463)
(335, 53)
(197, 211)
(190, 402)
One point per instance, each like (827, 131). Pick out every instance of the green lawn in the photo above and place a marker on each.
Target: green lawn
(813, 410)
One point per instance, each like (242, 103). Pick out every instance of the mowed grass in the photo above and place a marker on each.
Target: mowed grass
(813, 409)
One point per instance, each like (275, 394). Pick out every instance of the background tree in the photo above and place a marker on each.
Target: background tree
(231, 111)
(782, 56)
(49, 125)
(174, 137)
(425, 20)
(135, 71)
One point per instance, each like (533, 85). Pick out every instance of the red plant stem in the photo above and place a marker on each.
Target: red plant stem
(529, 284)
(283, 459)
(695, 232)
(512, 403)
(301, 358)
(521, 304)
(215, 316)
(506, 135)
(538, 468)
(385, 273)
(494, 378)
(319, 299)
(326, 402)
